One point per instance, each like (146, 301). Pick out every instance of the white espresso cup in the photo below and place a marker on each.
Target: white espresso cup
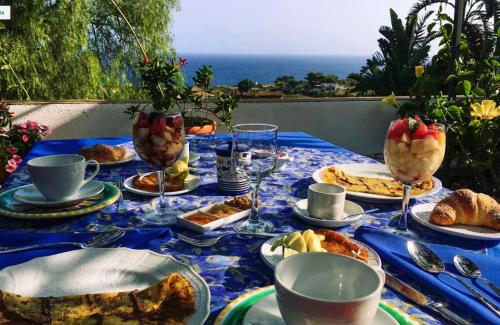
(60, 177)
(325, 201)
(327, 288)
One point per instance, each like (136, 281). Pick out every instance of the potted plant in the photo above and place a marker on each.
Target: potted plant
(16, 140)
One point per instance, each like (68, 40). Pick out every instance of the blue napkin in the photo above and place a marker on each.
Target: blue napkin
(141, 239)
(392, 250)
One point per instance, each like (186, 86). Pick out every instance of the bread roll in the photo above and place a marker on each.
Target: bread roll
(467, 208)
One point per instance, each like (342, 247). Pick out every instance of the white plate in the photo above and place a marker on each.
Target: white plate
(190, 184)
(129, 156)
(211, 225)
(99, 270)
(266, 311)
(372, 170)
(421, 213)
(272, 259)
(300, 210)
(30, 195)
(193, 157)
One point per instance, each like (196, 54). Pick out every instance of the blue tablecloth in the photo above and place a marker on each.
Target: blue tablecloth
(232, 267)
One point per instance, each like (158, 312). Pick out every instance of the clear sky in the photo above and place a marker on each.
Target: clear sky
(282, 26)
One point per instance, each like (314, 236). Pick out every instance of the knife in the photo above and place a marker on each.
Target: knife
(422, 300)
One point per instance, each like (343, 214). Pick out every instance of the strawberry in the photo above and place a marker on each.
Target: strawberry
(398, 128)
(177, 122)
(420, 132)
(158, 126)
(142, 120)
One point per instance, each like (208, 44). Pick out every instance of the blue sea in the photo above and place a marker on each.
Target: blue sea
(229, 69)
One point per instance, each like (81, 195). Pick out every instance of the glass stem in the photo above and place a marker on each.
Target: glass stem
(254, 215)
(403, 225)
(161, 188)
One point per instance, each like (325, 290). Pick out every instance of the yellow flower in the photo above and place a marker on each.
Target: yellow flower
(391, 99)
(487, 110)
(419, 70)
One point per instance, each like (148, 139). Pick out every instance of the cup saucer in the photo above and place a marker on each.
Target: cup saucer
(300, 210)
(266, 311)
(30, 195)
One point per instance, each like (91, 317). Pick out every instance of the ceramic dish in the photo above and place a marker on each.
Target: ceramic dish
(421, 213)
(259, 307)
(190, 184)
(377, 171)
(300, 210)
(129, 156)
(10, 207)
(272, 259)
(104, 270)
(218, 221)
(30, 195)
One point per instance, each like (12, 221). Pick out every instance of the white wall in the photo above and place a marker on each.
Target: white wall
(358, 125)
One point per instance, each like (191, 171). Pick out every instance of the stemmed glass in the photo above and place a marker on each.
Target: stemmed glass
(159, 140)
(254, 154)
(413, 151)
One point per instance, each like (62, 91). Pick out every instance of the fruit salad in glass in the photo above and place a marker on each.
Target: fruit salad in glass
(159, 140)
(413, 151)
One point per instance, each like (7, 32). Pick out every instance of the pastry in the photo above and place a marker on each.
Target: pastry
(149, 182)
(170, 301)
(467, 208)
(103, 153)
(239, 202)
(379, 186)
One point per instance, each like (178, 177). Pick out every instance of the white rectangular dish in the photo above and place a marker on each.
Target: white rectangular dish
(218, 221)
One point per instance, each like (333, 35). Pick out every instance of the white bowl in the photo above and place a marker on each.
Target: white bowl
(327, 288)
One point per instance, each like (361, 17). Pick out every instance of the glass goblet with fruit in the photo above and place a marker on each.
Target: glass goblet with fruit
(413, 151)
(159, 140)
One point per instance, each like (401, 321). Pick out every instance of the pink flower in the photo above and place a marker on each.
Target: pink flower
(33, 125)
(12, 150)
(10, 169)
(25, 138)
(17, 159)
(182, 62)
(22, 125)
(22, 131)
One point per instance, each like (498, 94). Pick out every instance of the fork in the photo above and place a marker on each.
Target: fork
(209, 242)
(101, 240)
(121, 202)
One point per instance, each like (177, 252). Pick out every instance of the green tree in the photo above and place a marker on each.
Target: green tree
(289, 85)
(402, 47)
(316, 78)
(245, 85)
(481, 25)
(79, 49)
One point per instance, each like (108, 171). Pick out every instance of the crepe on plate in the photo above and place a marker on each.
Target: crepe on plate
(170, 301)
(372, 185)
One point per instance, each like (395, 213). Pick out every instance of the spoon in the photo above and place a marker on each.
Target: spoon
(357, 214)
(431, 262)
(469, 269)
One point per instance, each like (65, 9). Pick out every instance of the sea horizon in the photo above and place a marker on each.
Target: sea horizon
(229, 69)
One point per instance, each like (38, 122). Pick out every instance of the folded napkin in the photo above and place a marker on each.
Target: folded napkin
(140, 239)
(392, 250)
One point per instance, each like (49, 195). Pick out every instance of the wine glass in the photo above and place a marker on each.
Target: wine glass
(159, 140)
(413, 151)
(254, 154)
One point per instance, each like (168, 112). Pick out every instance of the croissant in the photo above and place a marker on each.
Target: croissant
(467, 208)
(103, 153)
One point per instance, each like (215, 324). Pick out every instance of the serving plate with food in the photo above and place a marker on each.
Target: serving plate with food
(121, 284)
(147, 185)
(463, 213)
(107, 155)
(216, 215)
(372, 182)
(277, 248)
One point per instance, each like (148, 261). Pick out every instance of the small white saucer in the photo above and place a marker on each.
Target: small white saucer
(190, 184)
(266, 312)
(30, 195)
(300, 210)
